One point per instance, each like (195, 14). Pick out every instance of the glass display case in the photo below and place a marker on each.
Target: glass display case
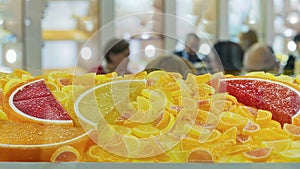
(92, 126)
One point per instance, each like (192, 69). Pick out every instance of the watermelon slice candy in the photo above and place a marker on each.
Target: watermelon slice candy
(34, 100)
(43, 108)
(32, 90)
(281, 99)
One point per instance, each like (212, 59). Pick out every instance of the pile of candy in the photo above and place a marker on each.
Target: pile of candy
(149, 117)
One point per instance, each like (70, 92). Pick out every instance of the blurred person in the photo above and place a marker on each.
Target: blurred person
(190, 53)
(259, 57)
(171, 63)
(247, 39)
(116, 57)
(231, 55)
(290, 66)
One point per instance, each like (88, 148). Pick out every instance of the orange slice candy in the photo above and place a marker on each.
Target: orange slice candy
(278, 145)
(96, 153)
(163, 120)
(293, 130)
(263, 117)
(236, 149)
(145, 130)
(296, 119)
(229, 119)
(292, 155)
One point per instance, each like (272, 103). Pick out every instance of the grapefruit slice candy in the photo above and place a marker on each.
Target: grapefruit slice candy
(281, 99)
(199, 155)
(34, 102)
(65, 154)
(259, 155)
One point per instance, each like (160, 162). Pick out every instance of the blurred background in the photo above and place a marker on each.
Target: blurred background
(43, 35)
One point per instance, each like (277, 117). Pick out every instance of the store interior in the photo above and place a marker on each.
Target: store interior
(44, 35)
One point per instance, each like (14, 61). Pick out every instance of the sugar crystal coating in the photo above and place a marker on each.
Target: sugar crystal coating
(280, 100)
(35, 99)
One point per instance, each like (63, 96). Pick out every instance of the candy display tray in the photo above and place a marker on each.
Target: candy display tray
(38, 165)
